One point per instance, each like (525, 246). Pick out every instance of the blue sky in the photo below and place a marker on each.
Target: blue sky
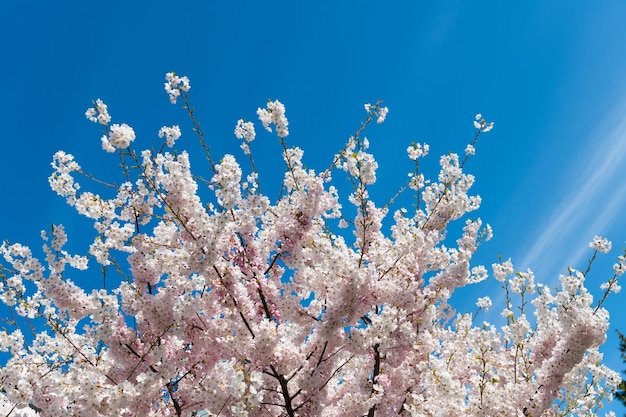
(550, 74)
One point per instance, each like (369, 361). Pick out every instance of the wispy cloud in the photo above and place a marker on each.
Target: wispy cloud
(593, 195)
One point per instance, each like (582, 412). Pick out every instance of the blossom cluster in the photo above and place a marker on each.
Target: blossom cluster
(98, 113)
(245, 130)
(481, 124)
(175, 84)
(274, 114)
(171, 134)
(230, 303)
(117, 136)
(376, 110)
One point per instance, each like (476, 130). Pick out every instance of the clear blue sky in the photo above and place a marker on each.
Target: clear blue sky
(552, 75)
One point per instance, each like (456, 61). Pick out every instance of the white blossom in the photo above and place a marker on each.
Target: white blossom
(382, 114)
(274, 114)
(481, 124)
(120, 137)
(228, 178)
(171, 134)
(245, 130)
(417, 150)
(98, 113)
(600, 244)
(484, 303)
(175, 84)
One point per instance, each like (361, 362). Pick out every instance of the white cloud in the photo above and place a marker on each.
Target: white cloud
(592, 197)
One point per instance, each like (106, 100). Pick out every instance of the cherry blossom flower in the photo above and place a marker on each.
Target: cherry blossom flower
(481, 124)
(120, 137)
(600, 244)
(274, 114)
(175, 84)
(171, 134)
(98, 113)
(417, 150)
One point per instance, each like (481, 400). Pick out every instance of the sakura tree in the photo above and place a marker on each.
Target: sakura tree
(239, 305)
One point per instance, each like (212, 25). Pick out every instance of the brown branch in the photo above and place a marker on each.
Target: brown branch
(177, 407)
(284, 390)
(234, 302)
(375, 374)
(130, 348)
(274, 259)
(266, 308)
(196, 128)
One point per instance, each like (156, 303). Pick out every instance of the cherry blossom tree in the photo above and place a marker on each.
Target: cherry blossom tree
(231, 304)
